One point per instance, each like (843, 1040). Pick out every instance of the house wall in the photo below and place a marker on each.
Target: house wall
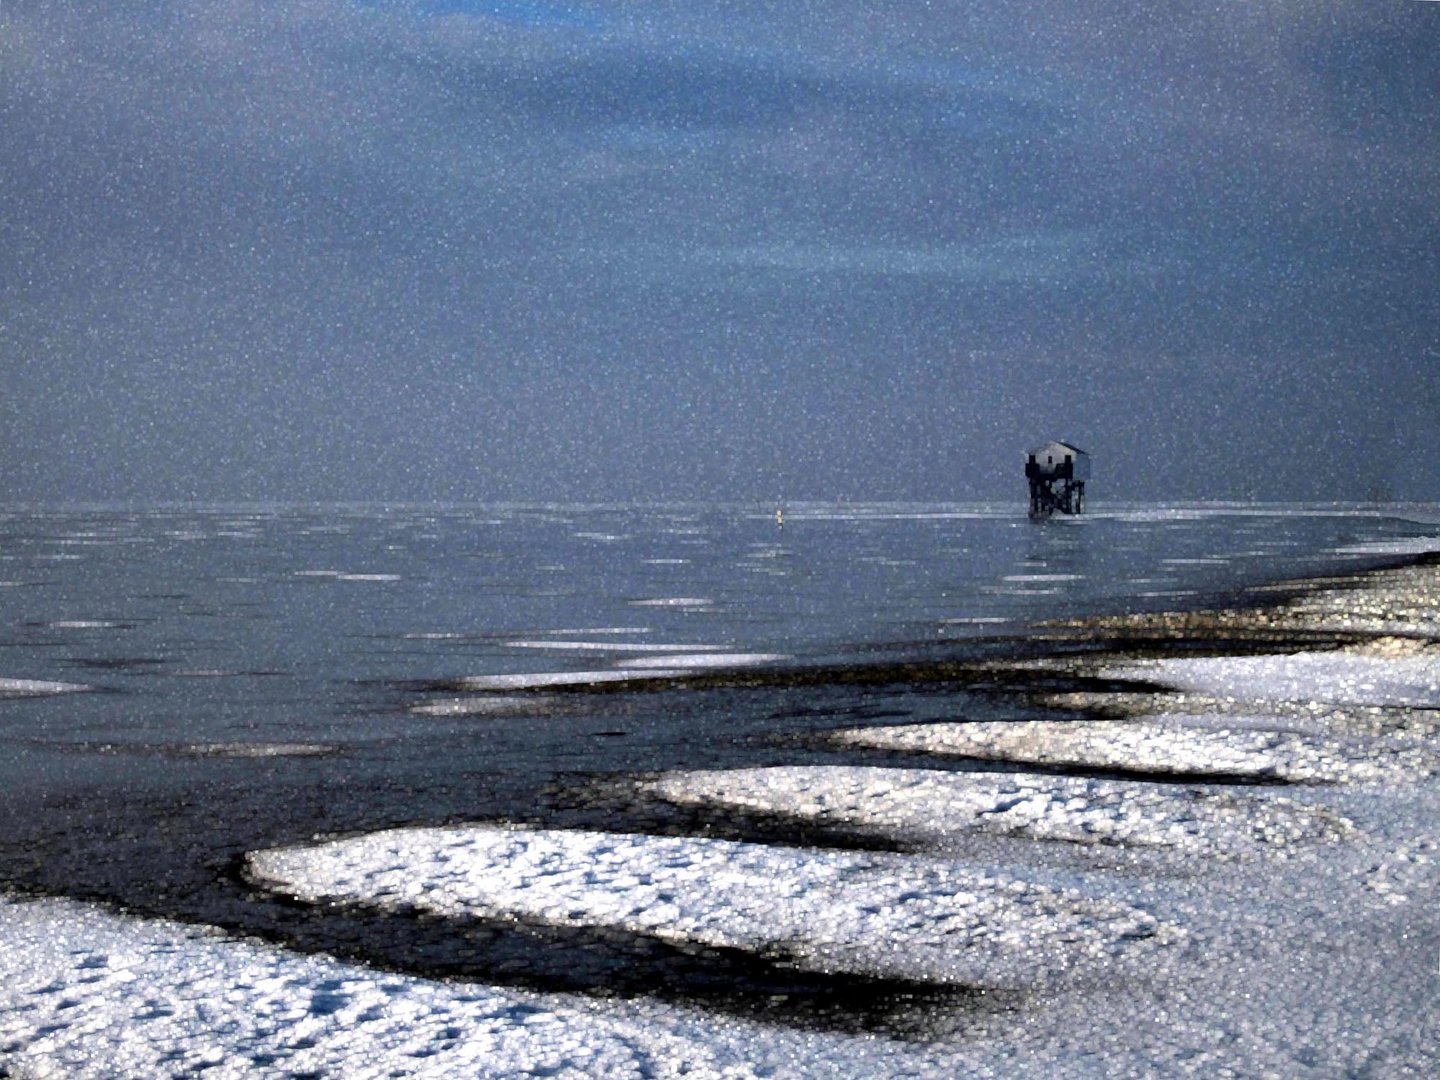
(1057, 451)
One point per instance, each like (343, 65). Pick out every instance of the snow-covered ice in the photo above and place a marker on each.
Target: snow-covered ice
(1340, 677)
(939, 807)
(1160, 745)
(91, 994)
(861, 913)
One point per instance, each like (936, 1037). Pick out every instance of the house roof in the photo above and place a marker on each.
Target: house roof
(1066, 445)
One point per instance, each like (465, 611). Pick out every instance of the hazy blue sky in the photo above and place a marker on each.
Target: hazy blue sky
(681, 249)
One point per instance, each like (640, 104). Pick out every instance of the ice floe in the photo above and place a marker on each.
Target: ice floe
(486, 704)
(661, 665)
(699, 661)
(860, 913)
(39, 687)
(345, 575)
(86, 624)
(560, 645)
(255, 749)
(542, 679)
(938, 807)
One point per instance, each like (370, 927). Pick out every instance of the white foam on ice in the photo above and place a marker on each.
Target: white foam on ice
(939, 807)
(863, 913)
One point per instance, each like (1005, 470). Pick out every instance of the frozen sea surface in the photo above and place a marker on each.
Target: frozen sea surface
(631, 791)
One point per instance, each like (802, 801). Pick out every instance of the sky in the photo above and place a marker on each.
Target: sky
(678, 250)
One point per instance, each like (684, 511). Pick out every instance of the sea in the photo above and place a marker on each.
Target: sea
(295, 631)
(201, 650)
(182, 687)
